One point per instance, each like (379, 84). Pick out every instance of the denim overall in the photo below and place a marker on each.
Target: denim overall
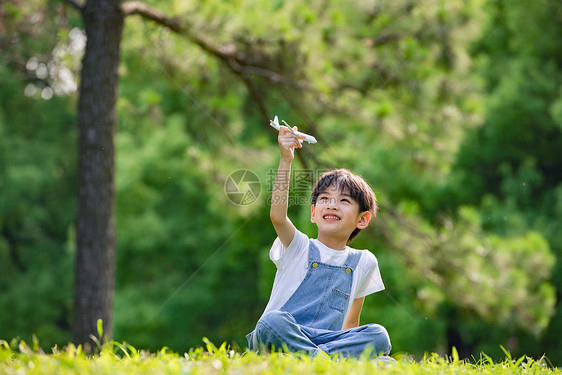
(312, 318)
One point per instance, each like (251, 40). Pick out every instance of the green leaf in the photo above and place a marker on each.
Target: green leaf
(100, 328)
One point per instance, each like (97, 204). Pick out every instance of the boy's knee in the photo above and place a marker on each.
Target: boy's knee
(275, 319)
(270, 329)
(380, 339)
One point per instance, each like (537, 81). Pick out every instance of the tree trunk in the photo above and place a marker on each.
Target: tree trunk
(95, 222)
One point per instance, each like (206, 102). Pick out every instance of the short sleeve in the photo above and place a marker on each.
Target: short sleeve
(282, 256)
(371, 280)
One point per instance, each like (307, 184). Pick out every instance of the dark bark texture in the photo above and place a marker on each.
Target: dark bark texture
(95, 221)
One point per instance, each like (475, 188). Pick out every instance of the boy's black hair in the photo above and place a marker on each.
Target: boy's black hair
(355, 185)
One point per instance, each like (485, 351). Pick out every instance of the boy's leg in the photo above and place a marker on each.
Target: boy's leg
(354, 341)
(279, 330)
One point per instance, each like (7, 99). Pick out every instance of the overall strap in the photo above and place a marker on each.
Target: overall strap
(313, 253)
(352, 259)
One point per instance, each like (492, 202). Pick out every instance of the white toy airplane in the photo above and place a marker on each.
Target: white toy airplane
(275, 124)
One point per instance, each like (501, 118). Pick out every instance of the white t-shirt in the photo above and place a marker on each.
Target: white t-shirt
(292, 266)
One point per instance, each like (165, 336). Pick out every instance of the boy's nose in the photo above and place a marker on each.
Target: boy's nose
(332, 204)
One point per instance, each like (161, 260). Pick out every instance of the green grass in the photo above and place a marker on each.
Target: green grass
(122, 358)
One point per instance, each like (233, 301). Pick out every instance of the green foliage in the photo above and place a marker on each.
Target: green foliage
(37, 176)
(450, 109)
(199, 257)
(510, 166)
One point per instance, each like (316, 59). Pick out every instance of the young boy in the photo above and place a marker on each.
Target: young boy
(321, 284)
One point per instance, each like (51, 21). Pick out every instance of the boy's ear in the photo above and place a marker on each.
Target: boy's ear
(312, 208)
(363, 220)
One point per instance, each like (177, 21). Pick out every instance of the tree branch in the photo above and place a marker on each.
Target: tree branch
(385, 38)
(226, 53)
(274, 78)
(258, 97)
(146, 11)
(174, 24)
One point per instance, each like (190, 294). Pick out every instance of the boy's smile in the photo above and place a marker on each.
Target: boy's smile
(331, 217)
(337, 215)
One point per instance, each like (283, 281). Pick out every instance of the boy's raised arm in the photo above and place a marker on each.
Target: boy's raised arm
(280, 194)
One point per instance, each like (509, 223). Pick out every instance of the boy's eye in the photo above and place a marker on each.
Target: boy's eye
(345, 200)
(323, 199)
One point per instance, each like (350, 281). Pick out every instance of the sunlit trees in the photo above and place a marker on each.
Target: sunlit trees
(187, 100)
(511, 166)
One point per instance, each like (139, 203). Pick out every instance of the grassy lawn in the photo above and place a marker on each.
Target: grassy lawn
(121, 358)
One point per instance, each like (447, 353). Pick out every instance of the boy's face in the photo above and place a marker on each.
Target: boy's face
(337, 214)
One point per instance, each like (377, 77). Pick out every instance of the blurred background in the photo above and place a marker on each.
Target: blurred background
(450, 109)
